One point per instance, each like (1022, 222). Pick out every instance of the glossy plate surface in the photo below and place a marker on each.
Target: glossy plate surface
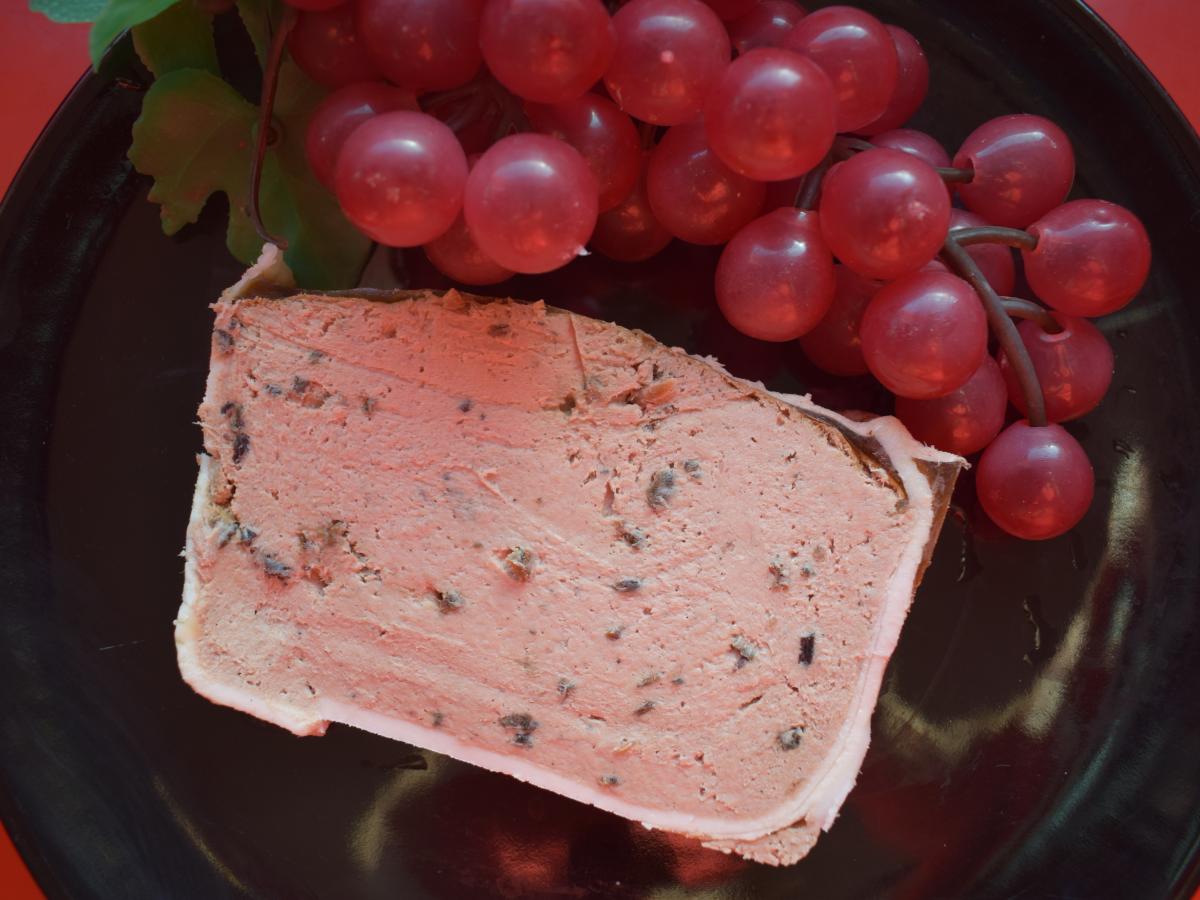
(1038, 734)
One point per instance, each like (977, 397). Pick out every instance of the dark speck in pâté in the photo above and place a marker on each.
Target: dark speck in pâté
(692, 467)
(241, 446)
(609, 780)
(449, 601)
(498, 330)
(633, 536)
(315, 356)
(677, 680)
(438, 718)
(808, 646)
(790, 739)
(645, 707)
(745, 649)
(233, 412)
(627, 585)
(565, 687)
(274, 390)
(519, 563)
(224, 340)
(614, 633)
(662, 488)
(275, 568)
(465, 406)
(568, 404)
(299, 385)
(519, 721)
(368, 405)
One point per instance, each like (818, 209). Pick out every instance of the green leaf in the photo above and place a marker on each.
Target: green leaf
(195, 138)
(117, 16)
(180, 37)
(68, 10)
(257, 16)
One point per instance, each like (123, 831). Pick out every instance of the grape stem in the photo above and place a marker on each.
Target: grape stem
(1017, 308)
(957, 258)
(953, 175)
(845, 146)
(994, 234)
(266, 133)
(810, 186)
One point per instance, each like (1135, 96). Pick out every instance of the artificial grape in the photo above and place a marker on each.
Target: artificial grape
(694, 195)
(994, 260)
(835, 344)
(456, 255)
(424, 45)
(669, 55)
(775, 278)
(912, 84)
(1092, 257)
(924, 335)
(400, 178)
(766, 25)
(730, 9)
(1035, 483)
(531, 202)
(547, 51)
(965, 420)
(629, 231)
(313, 5)
(340, 113)
(1023, 166)
(884, 212)
(1074, 367)
(771, 115)
(604, 135)
(327, 48)
(918, 143)
(859, 56)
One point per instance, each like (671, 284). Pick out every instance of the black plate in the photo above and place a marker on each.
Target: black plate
(1038, 735)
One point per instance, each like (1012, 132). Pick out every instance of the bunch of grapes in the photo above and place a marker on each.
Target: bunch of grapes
(507, 136)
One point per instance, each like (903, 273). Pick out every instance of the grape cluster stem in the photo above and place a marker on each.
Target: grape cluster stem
(266, 109)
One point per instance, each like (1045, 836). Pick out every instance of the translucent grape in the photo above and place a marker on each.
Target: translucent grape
(629, 231)
(994, 260)
(547, 51)
(835, 344)
(1023, 165)
(1035, 483)
(400, 177)
(912, 84)
(1074, 367)
(918, 143)
(924, 335)
(343, 111)
(766, 25)
(669, 55)
(327, 48)
(771, 115)
(694, 195)
(531, 202)
(859, 56)
(1092, 257)
(457, 255)
(604, 135)
(425, 45)
(884, 213)
(775, 277)
(965, 420)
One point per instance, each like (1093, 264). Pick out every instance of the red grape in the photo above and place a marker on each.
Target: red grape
(694, 195)
(1092, 257)
(965, 420)
(629, 231)
(604, 135)
(1074, 367)
(425, 45)
(911, 85)
(775, 278)
(994, 260)
(884, 212)
(918, 143)
(859, 56)
(326, 46)
(924, 335)
(343, 111)
(531, 202)
(766, 25)
(547, 51)
(313, 5)
(1035, 483)
(835, 344)
(730, 9)
(669, 55)
(1023, 165)
(771, 115)
(400, 177)
(456, 255)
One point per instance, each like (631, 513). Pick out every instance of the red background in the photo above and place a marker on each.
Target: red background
(45, 60)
